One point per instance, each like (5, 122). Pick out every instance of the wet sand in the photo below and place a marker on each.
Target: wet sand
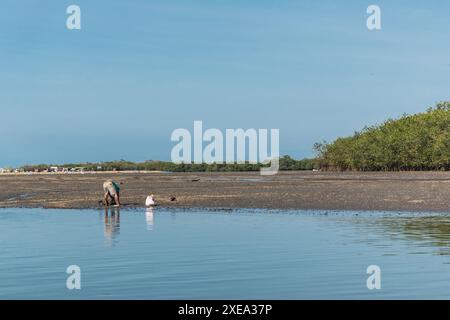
(393, 191)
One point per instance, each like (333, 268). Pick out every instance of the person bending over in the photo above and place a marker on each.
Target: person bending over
(112, 192)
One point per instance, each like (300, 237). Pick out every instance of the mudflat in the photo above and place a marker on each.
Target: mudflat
(387, 191)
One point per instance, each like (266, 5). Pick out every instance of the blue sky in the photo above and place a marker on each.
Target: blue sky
(139, 69)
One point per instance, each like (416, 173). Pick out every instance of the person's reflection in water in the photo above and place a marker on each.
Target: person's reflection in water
(112, 224)
(149, 218)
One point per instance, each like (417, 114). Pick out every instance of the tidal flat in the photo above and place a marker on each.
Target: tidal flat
(367, 191)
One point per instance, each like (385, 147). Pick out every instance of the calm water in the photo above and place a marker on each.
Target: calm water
(256, 254)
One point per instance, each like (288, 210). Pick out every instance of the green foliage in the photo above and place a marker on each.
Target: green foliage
(286, 163)
(413, 142)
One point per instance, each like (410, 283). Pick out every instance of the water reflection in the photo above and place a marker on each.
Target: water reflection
(112, 224)
(432, 231)
(272, 253)
(149, 218)
(419, 231)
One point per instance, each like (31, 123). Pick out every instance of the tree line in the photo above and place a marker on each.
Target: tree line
(285, 162)
(412, 142)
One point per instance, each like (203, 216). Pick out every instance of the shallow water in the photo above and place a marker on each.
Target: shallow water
(200, 254)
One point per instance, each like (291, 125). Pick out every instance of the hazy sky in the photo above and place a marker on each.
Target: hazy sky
(138, 69)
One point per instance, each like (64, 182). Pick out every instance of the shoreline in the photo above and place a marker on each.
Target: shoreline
(288, 190)
(178, 209)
